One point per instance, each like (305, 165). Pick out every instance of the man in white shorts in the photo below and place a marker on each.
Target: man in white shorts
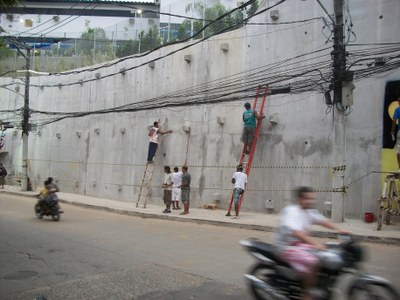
(239, 179)
(176, 188)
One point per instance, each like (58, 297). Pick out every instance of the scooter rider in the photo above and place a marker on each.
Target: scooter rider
(43, 193)
(52, 190)
(51, 184)
(293, 241)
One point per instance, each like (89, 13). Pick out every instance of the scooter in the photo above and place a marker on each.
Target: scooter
(271, 278)
(48, 207)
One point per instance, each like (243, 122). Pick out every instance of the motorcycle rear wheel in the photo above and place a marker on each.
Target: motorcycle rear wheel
(265, 274)
(38, 211)
(372, 291)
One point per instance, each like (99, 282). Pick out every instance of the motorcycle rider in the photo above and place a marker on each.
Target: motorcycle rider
(50, 184)
(43, 192)
(52, 189)
(293, 240)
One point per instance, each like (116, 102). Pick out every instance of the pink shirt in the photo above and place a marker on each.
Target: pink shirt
(154, 135)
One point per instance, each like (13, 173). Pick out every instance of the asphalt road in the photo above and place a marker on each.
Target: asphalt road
(92, 254)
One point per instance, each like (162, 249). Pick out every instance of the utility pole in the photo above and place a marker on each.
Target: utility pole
(339, 52)
(339, 146)
(25, 124)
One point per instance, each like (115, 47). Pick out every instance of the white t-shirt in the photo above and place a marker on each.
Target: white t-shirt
(168, 180)
(295, 218)
(240, 179)
(154, 135)
(177, 179)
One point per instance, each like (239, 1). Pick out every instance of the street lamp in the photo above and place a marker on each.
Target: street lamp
(139, 12)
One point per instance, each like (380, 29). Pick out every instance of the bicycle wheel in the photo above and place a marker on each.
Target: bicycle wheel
(381, 213)
(388, 216)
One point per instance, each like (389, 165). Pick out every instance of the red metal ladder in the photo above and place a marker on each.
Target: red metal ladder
(253, 146)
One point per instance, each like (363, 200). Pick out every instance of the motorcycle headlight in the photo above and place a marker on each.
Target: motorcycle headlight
(331, 260)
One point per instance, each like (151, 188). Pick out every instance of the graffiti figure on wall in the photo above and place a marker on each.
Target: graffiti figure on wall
(395, 124)
(390, 154)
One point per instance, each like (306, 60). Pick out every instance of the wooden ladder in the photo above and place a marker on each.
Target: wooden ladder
(30, 175)
(146, 184)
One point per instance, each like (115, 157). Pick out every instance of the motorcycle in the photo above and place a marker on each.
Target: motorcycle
(271, 278)
(48, 207)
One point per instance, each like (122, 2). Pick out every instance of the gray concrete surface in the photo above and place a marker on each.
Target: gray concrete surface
(104, 155)
(389, 234)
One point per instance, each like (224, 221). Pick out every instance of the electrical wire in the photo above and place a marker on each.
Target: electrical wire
(108, 64)
(309, 72)
(235, 92)
(233, 88)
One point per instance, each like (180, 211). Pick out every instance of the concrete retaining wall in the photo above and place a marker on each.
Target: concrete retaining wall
(104, 155)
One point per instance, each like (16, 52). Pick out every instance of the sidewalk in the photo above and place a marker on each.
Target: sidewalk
(389, 234)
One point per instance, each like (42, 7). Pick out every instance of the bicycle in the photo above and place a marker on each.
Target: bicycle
(389, 202)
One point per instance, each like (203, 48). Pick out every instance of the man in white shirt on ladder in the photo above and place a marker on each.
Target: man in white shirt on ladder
(153, 144)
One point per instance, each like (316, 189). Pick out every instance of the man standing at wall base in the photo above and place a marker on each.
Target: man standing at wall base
(176, 188)
(167, 186)
(185, 190)
(3, 174)
(239, 179)
(153, 144)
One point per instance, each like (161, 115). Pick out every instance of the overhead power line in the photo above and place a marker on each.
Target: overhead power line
(309, 72)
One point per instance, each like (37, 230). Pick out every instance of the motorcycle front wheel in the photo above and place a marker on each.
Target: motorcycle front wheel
(38, 211)
(373, 291)
(55, 214)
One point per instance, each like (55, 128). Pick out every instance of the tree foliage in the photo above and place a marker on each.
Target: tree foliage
(93, 37)
(184, 30)
(129, 48)
(253, 8)
(150, 40)
(5, 4)
(4, 51)
(95, 45)
(208, 15)
(145, 42)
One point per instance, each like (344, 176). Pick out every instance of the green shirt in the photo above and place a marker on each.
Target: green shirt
(249, 118)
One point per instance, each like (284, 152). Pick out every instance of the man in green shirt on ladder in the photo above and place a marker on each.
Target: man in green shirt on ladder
(249, 119)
